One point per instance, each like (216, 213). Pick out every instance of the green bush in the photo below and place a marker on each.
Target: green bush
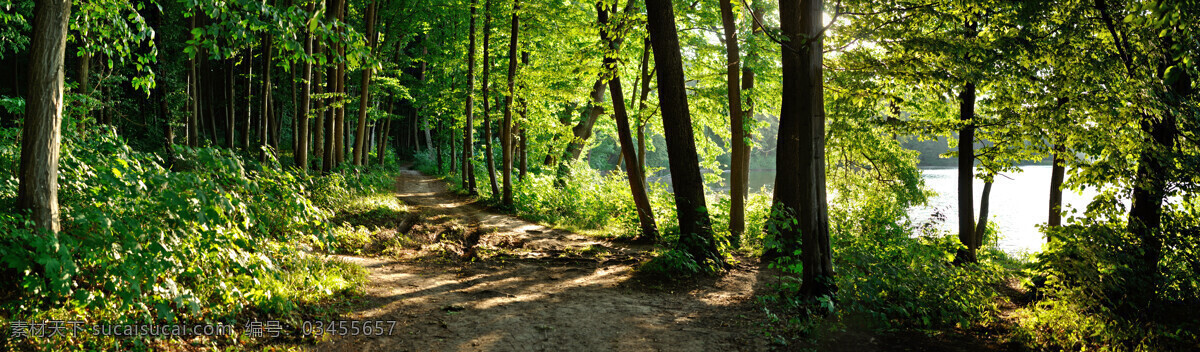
(1095, 291)
(143, 244)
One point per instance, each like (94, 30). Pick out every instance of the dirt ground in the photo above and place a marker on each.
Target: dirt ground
(480, 280)
(536, 289)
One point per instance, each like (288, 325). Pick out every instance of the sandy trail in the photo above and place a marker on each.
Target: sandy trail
(546, 296)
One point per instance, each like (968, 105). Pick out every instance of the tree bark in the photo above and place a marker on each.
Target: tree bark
(301, 157)
(583, 129)
(981, 226)
(737, 189)
(468, 176)
(802, 143)
(318, 127)
(230, 98)
(506, 135)
(642, 117)
(37, 187)
(525, 119)
(696, 237)
(264, 133)
(636, 181)
(193, 128)
(360, 136)
(245, 126)
(1056, 181)
(489, 156)
(966, 174)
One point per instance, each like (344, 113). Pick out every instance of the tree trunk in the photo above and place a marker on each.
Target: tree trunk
(583, 129)
(318, 127)
(981, 226)
(339, 142)
(331, 81)
(802, 143)
(158, 93)
(489, 156)
(301, 156)
(524, 120)
(84, 79)
(468, 176)
(696, 237)
(264, 133)
(440, 147)
(37, 187)
(360, 136)
(636, 187)
(193, 128)
(245, 127)
(506, 131)
(642, 116)
(1056, 180)
(230, 98)
(966, 174)
(737, 190)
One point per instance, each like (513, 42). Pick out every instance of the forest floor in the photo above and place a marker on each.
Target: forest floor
(474, 279)
(481, 280)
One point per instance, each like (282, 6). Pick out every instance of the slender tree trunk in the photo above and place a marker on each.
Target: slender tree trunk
(301, 156)
(485, 72)
(636, 187)
(737, 190)
(359, 153)
(339, 125)
(506, 132)
(468, 176)
(318, 126)
(159, 93)
(264, 134)
(230, 104)
(331, 81)
(583, 129)
(440, 147)
(244, 129)
(383, 140)
(193, 128)
(525, 119)
(643, 117)
(1057, 172)
(37, 187)
(84, 79)
(695, 228)
(981, 225)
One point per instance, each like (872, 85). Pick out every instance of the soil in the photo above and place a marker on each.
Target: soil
(474, 279)
(486, 281)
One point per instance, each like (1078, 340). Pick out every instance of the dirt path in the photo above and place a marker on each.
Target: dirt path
(526, 287)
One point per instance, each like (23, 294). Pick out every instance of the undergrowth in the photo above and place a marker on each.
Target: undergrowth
(212, 239)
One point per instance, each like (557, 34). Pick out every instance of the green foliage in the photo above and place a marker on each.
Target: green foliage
(671, 264)
(143, 244)
(1091, 281)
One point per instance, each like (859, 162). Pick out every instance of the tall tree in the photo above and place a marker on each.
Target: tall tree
(488, 154)
(37, 187)
(301, 156)
(506, 133)
(695, 228)
(364, 95)
(801, 145)
(737, 183)
(468, 174)
(636, 181)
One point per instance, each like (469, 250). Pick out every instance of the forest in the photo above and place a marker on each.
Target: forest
(600, 175)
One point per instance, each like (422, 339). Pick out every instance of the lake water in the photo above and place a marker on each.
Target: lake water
(1018, 203)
